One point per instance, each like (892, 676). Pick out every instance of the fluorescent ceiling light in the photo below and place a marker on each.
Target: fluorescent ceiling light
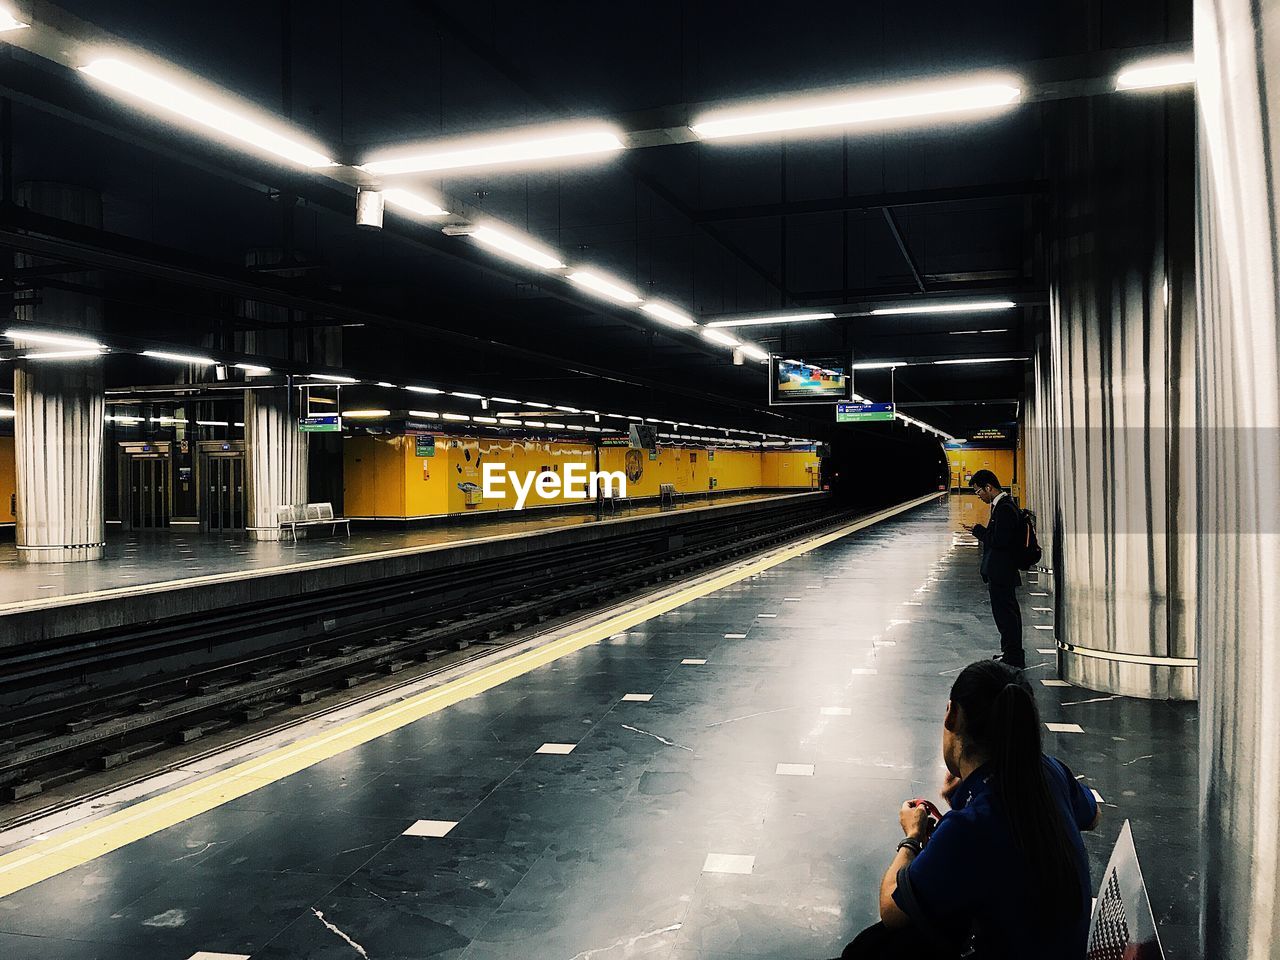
(850, 110)
(252, 368)
(1150, 74)
(332, 378)
(754, 352)
(535, 403)
(984, 360)
(516, 248)
(167, 419)
(456, 416)
(212, 423)
(771, 318)
(479, 419)
(555, 426)
(604, 286)
(9, 22)
(977, 306)
(423, 390)
(234, 122)
(366, 414)
(53, 339)
(534, 423)
(383, 383)
(668, 314)
(715, 336)
(878, 365)
(468, 396)
(567, 409)
(63, 354)
(504, 400)
(407, 200)
(429, 414)
(958, 333)
(6, 414)
(533, 145)
(179, 357)
(510, 423)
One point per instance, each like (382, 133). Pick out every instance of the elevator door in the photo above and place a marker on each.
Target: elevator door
(148, 492)
(223, 499)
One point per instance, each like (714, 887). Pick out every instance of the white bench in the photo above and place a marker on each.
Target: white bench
(293, 516)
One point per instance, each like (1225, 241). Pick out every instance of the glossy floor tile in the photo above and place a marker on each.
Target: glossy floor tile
(712, 783)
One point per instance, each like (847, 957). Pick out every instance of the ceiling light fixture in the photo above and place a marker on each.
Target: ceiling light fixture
(456, 416)
(1153, 74)
(466, 396)
(234, 122)
(332, 378)
(366, 414)
(534, 145)
(754, 352)
(63, 354)
(180, 357)
(515, 248)
(846, 110)
(407, 200)
(976, 306)
(604, 286)
(211, 423)
(53, 339)
(879, 365)
(983, 360)
(668, 314)
(252, 368)
(715, 336)
(429, 414)
(431, 390)
(10, 22)
(771, 318)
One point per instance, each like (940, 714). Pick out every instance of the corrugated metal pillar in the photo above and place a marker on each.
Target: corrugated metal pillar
(1238, 60)
(1119, 387)
(276, 459)
(59, 408)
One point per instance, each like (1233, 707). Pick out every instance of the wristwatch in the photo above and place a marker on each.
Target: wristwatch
(911, 843)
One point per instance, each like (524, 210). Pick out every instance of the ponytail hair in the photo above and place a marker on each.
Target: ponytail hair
(999, 721)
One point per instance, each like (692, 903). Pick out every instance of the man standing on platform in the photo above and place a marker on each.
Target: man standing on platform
(1000, 539)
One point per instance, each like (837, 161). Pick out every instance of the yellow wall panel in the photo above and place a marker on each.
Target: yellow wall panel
(384, 476)
(8, 480)
(971, 460)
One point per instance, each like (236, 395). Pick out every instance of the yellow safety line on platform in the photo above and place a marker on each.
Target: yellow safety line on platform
(79, 844)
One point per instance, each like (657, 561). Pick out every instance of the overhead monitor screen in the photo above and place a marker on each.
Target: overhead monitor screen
(808, 381)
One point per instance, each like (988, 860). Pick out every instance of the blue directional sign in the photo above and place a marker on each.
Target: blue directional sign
(862, 412)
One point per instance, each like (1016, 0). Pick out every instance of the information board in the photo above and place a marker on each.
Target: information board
(330, 423)
(424, 446)
(863, 412)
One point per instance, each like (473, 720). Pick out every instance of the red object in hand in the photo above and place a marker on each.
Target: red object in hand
(932, 810)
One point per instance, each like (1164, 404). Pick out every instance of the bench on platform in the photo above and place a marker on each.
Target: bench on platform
(666, 494)
(293, 516)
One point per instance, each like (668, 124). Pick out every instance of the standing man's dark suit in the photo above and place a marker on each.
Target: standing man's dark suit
(1001, 538)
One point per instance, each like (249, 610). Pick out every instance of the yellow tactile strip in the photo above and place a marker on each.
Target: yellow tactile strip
(84, 842)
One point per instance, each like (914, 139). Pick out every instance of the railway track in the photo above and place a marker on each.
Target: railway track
(99, 702)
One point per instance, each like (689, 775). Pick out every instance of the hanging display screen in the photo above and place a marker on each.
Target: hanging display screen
(809, 381)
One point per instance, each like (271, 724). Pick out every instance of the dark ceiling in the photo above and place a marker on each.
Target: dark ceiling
(862, 219)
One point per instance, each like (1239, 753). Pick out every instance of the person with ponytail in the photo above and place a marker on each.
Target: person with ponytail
(1004, 873)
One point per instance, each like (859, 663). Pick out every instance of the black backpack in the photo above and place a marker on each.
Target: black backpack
(1029, 550)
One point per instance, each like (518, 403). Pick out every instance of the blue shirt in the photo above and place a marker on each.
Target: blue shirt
(971, 874)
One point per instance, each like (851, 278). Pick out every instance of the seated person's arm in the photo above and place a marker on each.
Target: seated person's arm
(915, 824)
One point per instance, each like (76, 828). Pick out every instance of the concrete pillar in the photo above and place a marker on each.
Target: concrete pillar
(1114, 399)
(276, 464)
(59, 408)
(1238, 61)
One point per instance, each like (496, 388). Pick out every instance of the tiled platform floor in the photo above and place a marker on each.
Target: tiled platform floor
(669, 830)
(144, 557)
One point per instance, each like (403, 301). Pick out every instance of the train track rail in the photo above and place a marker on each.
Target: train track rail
(101, 701)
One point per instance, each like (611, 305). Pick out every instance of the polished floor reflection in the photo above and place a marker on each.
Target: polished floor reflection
(722, 781)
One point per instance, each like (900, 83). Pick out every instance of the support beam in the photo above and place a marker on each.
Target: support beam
(901, 241)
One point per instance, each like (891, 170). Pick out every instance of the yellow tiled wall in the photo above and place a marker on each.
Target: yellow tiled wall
(383, 476)
(8, 480)
(972, 459)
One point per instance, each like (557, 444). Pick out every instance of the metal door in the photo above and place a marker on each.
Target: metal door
(148, 492)
(223, 501)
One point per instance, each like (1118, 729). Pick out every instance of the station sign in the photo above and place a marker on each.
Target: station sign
(330, 423)
(424, 446)
(863, 412)
(614, 440)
